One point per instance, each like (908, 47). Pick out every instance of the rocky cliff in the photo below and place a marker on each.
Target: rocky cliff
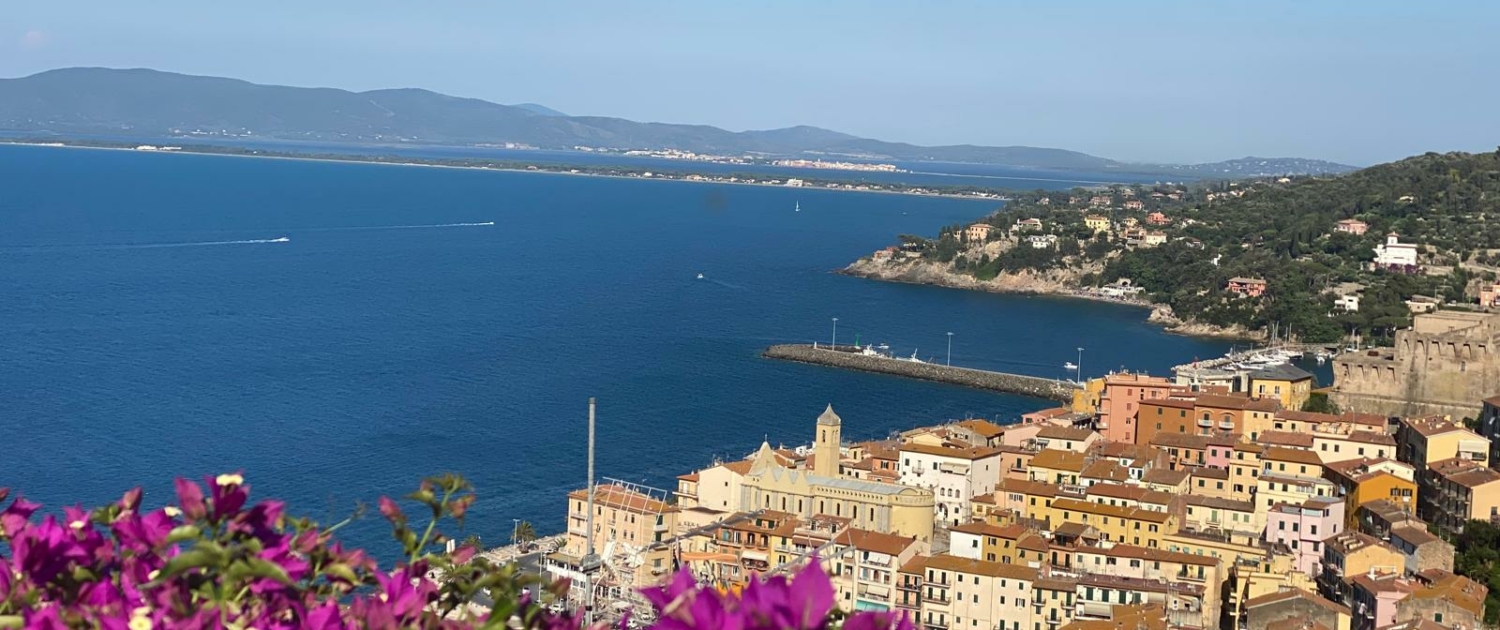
(1061, 282)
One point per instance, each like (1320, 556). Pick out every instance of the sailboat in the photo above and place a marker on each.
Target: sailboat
(798, 208)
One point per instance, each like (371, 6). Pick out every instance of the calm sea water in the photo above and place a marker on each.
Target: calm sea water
(149, 330)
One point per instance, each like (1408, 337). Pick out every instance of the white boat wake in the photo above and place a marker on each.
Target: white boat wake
(253, 241)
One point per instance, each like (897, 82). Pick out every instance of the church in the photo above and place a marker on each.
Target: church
(822, 490)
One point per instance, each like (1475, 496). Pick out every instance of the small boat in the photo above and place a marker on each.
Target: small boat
(798, 207)
(281, 240)
(1069, 366)
(913, 357)
(700, 276)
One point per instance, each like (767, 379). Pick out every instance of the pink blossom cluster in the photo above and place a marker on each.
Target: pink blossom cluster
(211, 561)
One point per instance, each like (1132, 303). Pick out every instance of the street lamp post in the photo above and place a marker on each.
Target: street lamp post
(515, 529)
(835, 333)
(1080, 366)
(950, 349)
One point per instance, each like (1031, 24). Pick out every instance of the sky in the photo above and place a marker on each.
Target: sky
(1148, 80)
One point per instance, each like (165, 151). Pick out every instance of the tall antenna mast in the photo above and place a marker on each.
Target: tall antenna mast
(588, 554)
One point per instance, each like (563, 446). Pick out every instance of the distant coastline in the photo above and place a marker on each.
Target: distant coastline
(521, 166)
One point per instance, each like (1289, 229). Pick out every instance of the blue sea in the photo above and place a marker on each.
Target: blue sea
(416, 320)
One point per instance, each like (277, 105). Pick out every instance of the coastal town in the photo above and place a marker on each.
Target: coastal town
(1210, 498)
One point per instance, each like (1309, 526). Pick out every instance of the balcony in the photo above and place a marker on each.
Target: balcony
(1227, 425)
(1205, 423)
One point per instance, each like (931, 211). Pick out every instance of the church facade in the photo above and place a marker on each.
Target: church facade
(821, 490)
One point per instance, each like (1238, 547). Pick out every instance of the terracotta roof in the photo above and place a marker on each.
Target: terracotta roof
(1072, 529)
(980, 528)
(1475, 478)
(1457, 589)
(1165, 476)
(688, 477)
(1106, 469)
(1224, 439)
(865, 540)
(620, 498)
(1134, 493)
(1058, 459)
(1090, 507)
(1219, 401)
(917, 564)
(983, 428)
(973, 453)
(1370, 437)
(1415, 624)
(1286, 438)
(1125, 450)
(1296, 623)
(956, 564)
(1346, 542)
(1293, 593)
(1179, 440)
(1429, 427)
(1209, 472)
(1413, 534)
(1310, 417)
(1175, 403)
(1054, 432)
(1284, 454)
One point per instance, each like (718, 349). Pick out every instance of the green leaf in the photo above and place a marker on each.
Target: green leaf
(11, 621)
(205, 554)
(183, 533)
(341, 571)
(258, 568)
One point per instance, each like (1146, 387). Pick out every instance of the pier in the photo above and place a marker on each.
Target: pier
(851, 358)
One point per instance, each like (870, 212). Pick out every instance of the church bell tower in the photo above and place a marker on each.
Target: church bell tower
(826, 445)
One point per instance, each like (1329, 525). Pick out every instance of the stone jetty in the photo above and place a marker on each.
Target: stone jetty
(849, 358)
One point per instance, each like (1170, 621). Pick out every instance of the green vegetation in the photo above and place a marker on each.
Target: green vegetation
(1479, 559)
(1279, 230)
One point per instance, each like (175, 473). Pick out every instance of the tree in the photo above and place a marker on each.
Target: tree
(1320, 403)
(524, 533)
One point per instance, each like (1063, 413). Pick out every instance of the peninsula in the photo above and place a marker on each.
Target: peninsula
(749, 177)
(1315, 259)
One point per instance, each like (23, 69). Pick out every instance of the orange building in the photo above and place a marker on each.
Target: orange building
(1120, 403)
(1166, 415)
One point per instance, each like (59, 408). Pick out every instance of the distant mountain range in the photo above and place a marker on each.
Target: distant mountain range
(151, 103)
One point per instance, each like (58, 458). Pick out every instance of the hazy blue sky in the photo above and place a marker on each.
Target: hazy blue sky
(1357, 82)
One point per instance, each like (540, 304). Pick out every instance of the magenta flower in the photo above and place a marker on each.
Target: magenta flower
(190, 500)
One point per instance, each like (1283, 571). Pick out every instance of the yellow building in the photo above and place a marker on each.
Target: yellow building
(1086, 399)
(876, 506)
(1286, 383)
(1365, 480)
(1135, 526)
(1351, 553)
(627, 523)
(1056, 465)
(1097, 223)
(1461, 491)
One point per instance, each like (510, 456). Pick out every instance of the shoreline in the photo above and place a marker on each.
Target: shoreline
(831, 185)
(1160, 314)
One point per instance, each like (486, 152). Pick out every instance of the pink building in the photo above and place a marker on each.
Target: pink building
(1121, 402)
(1303, 528)
(1220, 450)
(1352, 226)
(1249, 287)
(1377, 594)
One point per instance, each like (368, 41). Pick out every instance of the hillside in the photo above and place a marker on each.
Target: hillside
(1180, 246)
(149, 103)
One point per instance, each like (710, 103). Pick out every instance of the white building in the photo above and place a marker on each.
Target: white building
(1394, 253)
(1347, 303)
(1042, 241)
(794, 182)
(955, 476)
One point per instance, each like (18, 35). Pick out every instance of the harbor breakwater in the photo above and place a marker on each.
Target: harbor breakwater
(847, 357)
